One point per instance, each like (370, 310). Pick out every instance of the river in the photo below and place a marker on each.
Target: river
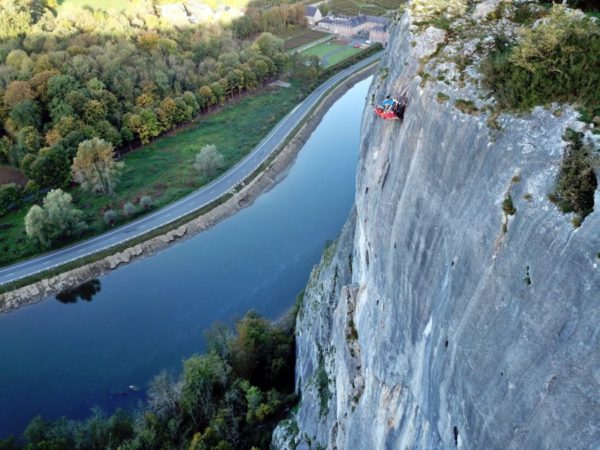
(63, 357)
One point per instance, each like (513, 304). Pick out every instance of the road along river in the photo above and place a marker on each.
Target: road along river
(62, 357)
(192, 202)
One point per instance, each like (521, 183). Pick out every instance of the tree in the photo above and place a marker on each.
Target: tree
(190, 99)
(20, 61)
(6, 151)
(128, 209)
(94, 111)
(243, 27)
(26, 114)
(56, 219)
(164, 395)
(145, 202)
(184, 111)
(107, 132)
(14, 20)
(39, 83)
(204, 381)
(60, 85)
(110, 217)
(77, 101)
(94, 167)
(249, 78)
(10, 196)
(17, 92)
(206, 97)
(145, 100)
(235, 79)
(218, 91)
(260, 353)
(268, 44)
(51, 167)
(145, 124)
(306, 69)
(29, 140)
(167, 113)
(209, 161)
(261, 70)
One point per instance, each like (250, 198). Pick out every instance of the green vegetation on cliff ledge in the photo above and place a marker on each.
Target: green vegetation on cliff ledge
(230, 398)
(576, 183)
(554, 61)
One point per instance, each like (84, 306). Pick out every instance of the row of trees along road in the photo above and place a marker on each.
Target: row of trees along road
(71, 77)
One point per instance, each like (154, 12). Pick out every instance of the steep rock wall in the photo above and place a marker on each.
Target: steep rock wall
(437, 321)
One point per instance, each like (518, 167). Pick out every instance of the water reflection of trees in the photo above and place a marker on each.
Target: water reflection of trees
(85, 291)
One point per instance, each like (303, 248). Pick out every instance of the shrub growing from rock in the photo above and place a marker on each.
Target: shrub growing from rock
(576, 183)
(508, 207)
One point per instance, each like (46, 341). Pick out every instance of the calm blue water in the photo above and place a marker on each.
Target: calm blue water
(64, 357)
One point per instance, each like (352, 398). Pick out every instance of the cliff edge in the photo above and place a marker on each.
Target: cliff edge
(441, 318)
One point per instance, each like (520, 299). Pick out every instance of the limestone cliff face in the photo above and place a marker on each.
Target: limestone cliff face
(436, 321)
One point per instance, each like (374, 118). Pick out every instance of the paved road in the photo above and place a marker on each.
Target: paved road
(186, 205)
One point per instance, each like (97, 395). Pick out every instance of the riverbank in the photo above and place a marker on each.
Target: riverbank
(264, 178)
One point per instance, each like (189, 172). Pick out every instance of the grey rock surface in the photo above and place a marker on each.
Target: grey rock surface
(485, 8)
(436, 320)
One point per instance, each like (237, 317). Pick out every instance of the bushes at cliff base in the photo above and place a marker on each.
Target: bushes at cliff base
(230, 398)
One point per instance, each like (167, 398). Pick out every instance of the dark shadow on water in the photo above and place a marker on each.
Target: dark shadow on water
(85, 291)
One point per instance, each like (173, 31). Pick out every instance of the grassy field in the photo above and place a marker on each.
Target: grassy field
(98, 4)
(331, 53)
(300, 38)
(373, 7)
(164, 169)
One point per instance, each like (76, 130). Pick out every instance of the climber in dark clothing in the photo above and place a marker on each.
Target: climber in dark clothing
(400, 107)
